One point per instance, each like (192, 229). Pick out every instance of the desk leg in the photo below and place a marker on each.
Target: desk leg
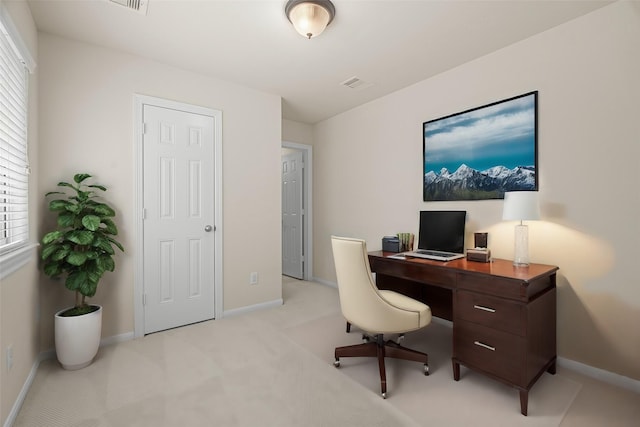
(524, 401)
(456, 370)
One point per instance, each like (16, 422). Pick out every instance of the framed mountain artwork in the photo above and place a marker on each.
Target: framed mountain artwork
(481, 153)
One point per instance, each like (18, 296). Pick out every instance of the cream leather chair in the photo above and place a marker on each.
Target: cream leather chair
(374, 311)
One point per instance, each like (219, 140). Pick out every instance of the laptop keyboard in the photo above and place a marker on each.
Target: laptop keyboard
(433, 253)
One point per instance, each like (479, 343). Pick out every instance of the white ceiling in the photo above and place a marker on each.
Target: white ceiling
(389, 43)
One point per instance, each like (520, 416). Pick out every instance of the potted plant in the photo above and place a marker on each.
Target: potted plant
(80, 249)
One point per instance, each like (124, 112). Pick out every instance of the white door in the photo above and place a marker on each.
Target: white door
(292, 215)
(178, 225)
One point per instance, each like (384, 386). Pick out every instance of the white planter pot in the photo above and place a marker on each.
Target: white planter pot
(77, 338)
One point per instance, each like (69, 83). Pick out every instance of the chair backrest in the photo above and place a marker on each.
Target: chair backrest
(360, 300)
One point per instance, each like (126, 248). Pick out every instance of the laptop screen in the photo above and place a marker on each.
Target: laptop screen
(442, 231)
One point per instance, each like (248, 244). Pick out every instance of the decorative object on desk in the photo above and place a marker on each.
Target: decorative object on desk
(406, 241)
(483, 152)
(480, 240)
(479, 255)
(519, 206)
(310, 17)
(390, 244)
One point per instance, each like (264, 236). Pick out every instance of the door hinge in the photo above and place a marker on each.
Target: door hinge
(144, 213)
(144, 128)
(144, 299)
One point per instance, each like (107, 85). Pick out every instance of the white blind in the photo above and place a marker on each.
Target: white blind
(14, 183)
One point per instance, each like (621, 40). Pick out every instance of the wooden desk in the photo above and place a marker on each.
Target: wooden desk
(504, 317)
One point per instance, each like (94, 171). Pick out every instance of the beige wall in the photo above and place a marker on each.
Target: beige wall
(19, 299)
(297, 132)
(86, 117)
(368, 172)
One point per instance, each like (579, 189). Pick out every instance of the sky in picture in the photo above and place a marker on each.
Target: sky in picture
(502, 134)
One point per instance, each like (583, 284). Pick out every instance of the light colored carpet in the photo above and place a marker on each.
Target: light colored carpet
(237, 371)
(176, 379)
(437, 399)
(274, 368)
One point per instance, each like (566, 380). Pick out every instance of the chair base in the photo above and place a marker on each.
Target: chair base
(381, 349)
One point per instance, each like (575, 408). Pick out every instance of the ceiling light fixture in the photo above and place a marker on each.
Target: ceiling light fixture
(310, 17)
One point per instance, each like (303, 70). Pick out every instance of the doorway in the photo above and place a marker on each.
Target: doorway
(297, 246)
(178, 272)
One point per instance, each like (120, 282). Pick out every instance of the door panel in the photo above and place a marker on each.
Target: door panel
(292, 215)
(178, 185)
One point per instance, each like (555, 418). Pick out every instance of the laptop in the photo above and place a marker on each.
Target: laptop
(434, 255)
(441, 235)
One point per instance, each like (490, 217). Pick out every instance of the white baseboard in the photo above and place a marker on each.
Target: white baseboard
(13, 414)
(47, 355)
(127, 336)
(601, 375)
(255, 307)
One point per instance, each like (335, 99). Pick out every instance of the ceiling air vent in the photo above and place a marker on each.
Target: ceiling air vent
(139, 6)
(356, 83)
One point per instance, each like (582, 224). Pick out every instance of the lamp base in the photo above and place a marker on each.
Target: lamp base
(521, 246)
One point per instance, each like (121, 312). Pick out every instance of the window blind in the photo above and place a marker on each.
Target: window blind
(14, 183)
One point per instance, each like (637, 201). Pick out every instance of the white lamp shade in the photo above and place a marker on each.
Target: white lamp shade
(521, 205)
(309, 19)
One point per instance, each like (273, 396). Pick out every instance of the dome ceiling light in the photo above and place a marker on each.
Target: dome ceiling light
(310, 17)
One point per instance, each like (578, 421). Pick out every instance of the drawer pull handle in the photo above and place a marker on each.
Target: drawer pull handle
(480, 307)
(483, 345)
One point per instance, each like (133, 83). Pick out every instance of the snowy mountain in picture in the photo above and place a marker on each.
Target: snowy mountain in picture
(468, 184)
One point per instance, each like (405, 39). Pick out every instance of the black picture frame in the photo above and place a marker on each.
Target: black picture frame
(483, 152)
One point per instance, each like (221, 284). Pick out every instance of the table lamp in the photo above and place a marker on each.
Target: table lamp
(520, 206)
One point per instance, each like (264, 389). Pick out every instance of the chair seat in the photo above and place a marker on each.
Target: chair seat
(407, 303)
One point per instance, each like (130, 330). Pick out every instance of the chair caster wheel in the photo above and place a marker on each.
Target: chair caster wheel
(384, 395)
(336, 363)
(426, 369)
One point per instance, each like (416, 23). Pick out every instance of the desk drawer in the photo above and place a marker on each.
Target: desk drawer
(505, 287)
(495, 352)
(416, 270)
(498, 313)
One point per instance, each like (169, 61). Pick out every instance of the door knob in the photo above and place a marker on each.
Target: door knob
(208, 228)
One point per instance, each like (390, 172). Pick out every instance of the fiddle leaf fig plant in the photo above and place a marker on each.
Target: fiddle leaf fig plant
(82, 246)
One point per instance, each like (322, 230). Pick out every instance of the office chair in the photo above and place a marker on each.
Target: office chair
(373, 310)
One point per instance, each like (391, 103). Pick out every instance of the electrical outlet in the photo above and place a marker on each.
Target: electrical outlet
(9, 357)
(253, 278)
